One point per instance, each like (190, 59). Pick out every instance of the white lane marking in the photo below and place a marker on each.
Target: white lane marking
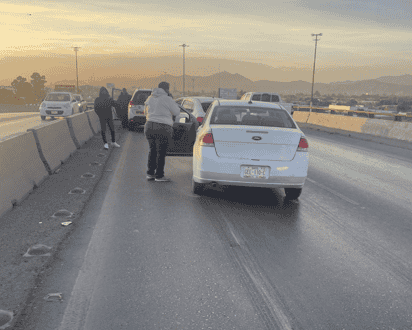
(333, 192)
(75, 314)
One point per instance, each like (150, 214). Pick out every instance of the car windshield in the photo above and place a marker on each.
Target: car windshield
(78, 98)
(58, 97)
(251, 116)
(140, 97)
(205, 105)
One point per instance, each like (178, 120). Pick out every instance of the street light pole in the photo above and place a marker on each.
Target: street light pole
(184, 46)
(76, 49)
(316, 35)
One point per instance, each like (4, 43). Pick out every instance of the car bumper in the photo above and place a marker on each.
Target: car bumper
(55, 113)
(208, 168)
(138, 120)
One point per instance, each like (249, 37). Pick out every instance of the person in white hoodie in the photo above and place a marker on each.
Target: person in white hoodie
(159, 110)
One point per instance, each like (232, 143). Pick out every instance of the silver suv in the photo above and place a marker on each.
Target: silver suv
(135, 111)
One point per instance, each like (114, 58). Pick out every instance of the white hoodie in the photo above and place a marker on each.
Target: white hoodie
(160, 107)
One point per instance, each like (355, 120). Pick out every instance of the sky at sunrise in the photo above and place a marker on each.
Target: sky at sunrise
(260, 39)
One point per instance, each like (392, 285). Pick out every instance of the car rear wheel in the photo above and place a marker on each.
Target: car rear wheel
(293, 193)
(197, 188)
(43, 117)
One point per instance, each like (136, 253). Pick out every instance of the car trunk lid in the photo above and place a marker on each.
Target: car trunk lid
(260, 143)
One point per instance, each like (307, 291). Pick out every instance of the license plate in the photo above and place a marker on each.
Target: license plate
(54, 112)
(255, 172)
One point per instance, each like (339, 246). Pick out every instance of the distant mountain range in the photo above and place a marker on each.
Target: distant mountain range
(390, 85)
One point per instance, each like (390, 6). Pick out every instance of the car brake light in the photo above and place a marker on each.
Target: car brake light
(303, 144)
(199, 119)
(207, 140)
(131, 103)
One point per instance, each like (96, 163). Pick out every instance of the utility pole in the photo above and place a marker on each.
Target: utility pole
(218, 90)
(316, 35)
(184, 46)
(76, 49)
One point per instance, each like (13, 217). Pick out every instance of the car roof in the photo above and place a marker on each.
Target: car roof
(262, 93)
(247, 104)
(201, 98)
(143, 90)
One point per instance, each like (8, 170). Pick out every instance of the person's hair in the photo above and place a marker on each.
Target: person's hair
(164, 85)
(124, 90)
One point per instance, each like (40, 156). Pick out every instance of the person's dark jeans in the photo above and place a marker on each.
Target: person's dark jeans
(159, 136)
(109, 122)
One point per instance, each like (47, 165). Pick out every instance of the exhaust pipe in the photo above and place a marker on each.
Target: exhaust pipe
(213, 184)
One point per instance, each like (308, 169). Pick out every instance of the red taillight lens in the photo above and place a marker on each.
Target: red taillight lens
(208, 138)
(303, 144)
(199, 119)
(131, 103)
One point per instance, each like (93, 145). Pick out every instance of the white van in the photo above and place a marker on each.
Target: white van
(267, 97)
(58, 104)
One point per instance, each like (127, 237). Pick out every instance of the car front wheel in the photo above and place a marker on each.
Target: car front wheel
(293, 193)
(197, 188)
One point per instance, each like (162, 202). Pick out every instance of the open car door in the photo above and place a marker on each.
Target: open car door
(184, 134)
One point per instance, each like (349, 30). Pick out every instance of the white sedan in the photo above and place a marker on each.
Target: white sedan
(254, 144)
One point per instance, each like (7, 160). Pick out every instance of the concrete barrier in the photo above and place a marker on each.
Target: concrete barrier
(79, 128)
(300, 116)
(54, 143)
(21, 169)
(94, 121)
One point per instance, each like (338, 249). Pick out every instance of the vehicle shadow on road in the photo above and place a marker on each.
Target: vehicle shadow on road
(256, 201)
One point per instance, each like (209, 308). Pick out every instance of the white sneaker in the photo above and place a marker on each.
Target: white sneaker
(114, 144)
(106, 146)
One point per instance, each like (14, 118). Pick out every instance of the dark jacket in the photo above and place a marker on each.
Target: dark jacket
(104, 103)
(123, 102)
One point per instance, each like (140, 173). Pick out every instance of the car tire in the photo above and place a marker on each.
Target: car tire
(43, 117)
(130, 126)
(197, 188)
(293, 193)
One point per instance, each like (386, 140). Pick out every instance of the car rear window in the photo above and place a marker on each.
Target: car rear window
(58, 97)
(205, 105)
(275, 98)
(140, 97)
(251, 116)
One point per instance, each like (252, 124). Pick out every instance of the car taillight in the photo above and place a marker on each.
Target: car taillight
(303, 145)
(207, 140)
(131, 103)
(199, 119)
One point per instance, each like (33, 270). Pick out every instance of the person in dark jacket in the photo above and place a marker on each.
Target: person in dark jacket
(123, 102)
(103, 108)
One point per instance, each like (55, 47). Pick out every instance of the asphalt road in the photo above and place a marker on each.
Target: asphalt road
(14, 123)
(149, 255)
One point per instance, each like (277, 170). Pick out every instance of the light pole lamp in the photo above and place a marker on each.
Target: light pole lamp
(184, 46)
(76, 49)
(316, 35)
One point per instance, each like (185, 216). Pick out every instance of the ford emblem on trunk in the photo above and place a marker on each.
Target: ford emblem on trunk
(257, 138)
